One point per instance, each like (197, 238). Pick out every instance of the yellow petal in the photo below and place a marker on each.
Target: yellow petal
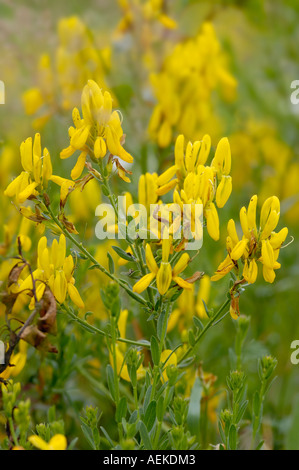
(80, 137)
(167, 175)
(270, 225)
(170, 359)
(26, 154)
(181, 264)
(250, 271)
(267, 254)
(251, 214)
(182, 283)
(212, 221)
(143, 283)
(222, 159)
(28, 191)
(38, 442)
(79, 167)
(271, 204)
(223, 191)
(244, 223)
(164, 277)
(150, 260)
(100, 148)
(239, 249)
(232, 232)
(167, 187)
(74, 295)
(58, 442)
(60, 286)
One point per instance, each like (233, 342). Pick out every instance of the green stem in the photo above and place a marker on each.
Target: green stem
(94, 261)
(161, 344)
(205, 329)
(116, 384)
(159, 427)
(94, 329)
(134, 246)
(136, 399)
(143, 270)
(12, 431)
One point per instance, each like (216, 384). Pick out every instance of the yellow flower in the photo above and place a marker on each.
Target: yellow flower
(37, 172)
(57, 442)
(203, 296)
(17, 362)
(170, 359)
(59, 80)
(55, 270)
(122, 368)
(183, 87)
(164, 274)
(197, 183)
(99, 131)
(258, 244)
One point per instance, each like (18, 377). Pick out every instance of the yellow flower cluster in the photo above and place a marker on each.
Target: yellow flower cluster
(33, 180)
(54, 269)
(99, 131)
(261, 155)
(150, 10)
(37, 172)
(184, 85)
(197, 183)
(258, 243)
(59, 84)
(164, 274)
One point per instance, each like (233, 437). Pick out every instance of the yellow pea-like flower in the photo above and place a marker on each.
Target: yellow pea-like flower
(222, 159)
(223, 191)
(170, 359)
(164, 273)
(57, 442)
(99, 130)
(251, 215)
(100, 148)
(54, 269)
(250, 271)
(164, 277)
(257, 245)
(239, 249)
(212, 221)
(271, 204)
(37, 172)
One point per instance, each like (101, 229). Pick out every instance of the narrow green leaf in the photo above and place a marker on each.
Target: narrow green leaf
(155, 351)
(193, 417)
(150, 415)
(145, 436)
(160, 408)
(111, 263)
(110, 380)
(123, 254)
(121, 410)
(198, 323)
(232, 437)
